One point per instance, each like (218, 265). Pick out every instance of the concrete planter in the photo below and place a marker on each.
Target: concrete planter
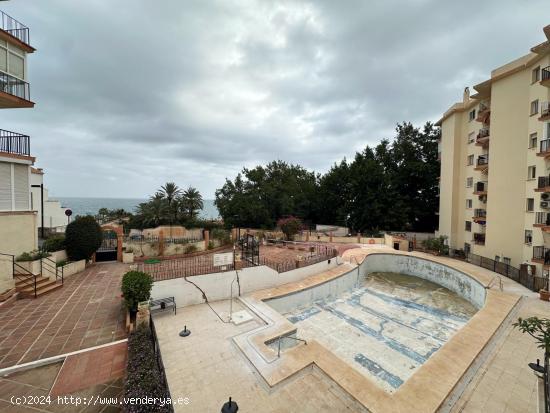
(72, 268)
(127, 257)
(143, 314)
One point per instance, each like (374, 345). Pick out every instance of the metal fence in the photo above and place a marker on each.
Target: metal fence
(15, 28)
(531, 281)
(204, 264)
(160, 364)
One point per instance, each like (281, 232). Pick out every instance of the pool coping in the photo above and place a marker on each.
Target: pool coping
(425, 391)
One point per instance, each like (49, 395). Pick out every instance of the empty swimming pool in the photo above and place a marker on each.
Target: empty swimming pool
(386, 327)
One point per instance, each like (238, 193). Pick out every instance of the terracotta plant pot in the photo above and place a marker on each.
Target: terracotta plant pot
(544, 295)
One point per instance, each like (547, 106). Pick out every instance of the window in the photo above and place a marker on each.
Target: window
(468, 226)
(14, 187)
(530, 204)
(531, 172)
(471, 137)
(535, 74)
(469, 203)
(528, 236)
(506, 260)
(467, 248)
(469, 182)
(534, 107)
(533, 140)
(470, 160)
(472, 115)
(12, 60)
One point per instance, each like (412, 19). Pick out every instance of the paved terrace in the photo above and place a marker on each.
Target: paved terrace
(207, 367)
(86, 312)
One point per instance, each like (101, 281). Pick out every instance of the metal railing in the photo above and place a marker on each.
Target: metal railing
(483, 106)
(480, 213)
(543, 182)
(545, 73)
(16, 143)
(15, 28)
(166, 240)
(531, 281)
(545, 109)
(479, 238)
(545, 145)
(51, 266)
(14, 86)
(483, 133)
(542, 218)
(483, 160)
(540, 253)
(21, 274)
(481, 186)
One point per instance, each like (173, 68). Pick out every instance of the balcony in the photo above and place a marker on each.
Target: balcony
(479, 238)
(480, 188)
(482, 138)
(544, 148)
(544, 111)
(483, 113)
(14, 143)
(14, 92)
(482, 163)
(480, 216)
(541, 255)
(15, 32)
(543, 184)
(545, 76)
(542, 220)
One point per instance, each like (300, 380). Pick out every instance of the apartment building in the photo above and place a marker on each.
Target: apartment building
(17, 218)
(495, 164)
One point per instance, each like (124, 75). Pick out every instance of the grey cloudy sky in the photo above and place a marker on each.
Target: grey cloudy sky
(132, 93)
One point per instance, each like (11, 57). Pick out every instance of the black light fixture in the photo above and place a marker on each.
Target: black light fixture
(185, 332)
(230, 407)
(537, 367)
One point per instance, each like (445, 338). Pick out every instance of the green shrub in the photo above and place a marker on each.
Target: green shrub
(190, 249)
(61, 263)
(54, 243)
(82, 238)
(143, 376)
(32, 256)
(136, 287)
(223, 236)
(437, 244)
(210, 245)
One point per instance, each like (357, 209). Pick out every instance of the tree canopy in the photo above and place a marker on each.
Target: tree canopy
(393, 186)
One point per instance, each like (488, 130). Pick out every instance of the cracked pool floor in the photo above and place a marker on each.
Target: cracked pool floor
(387, 328)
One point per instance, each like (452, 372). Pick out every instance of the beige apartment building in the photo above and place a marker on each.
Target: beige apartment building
(495, 164)
(18, 220)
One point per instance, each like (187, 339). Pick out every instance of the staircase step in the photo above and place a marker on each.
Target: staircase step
(41, 290)
(20, 284)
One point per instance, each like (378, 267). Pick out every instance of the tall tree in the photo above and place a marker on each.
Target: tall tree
(170, 191)
(190, 203)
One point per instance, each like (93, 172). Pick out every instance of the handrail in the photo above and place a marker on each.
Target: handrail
(26, 275)
(293, 338)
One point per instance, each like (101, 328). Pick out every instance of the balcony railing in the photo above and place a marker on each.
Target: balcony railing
(545, 74)
(544, 182)
(542, 218)
(483, 133)
(480, 213)
(15, 28)
(14, 143)
(544, 110)
(482, 160)
(544, 145)
(480, 186)
(14, 86)
(542, 254)
(479, 238)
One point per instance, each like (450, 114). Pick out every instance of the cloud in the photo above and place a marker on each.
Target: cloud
(135, 93)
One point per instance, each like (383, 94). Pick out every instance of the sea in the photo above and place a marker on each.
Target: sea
(90, 206)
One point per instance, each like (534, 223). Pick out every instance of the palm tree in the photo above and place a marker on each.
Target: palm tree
(153, 212)
(170, 191)
(191, 202)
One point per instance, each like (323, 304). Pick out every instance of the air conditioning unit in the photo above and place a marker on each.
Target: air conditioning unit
(545, 204)
(545, 196)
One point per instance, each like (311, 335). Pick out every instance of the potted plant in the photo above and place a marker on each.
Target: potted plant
(544, 294)
(136, 287)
